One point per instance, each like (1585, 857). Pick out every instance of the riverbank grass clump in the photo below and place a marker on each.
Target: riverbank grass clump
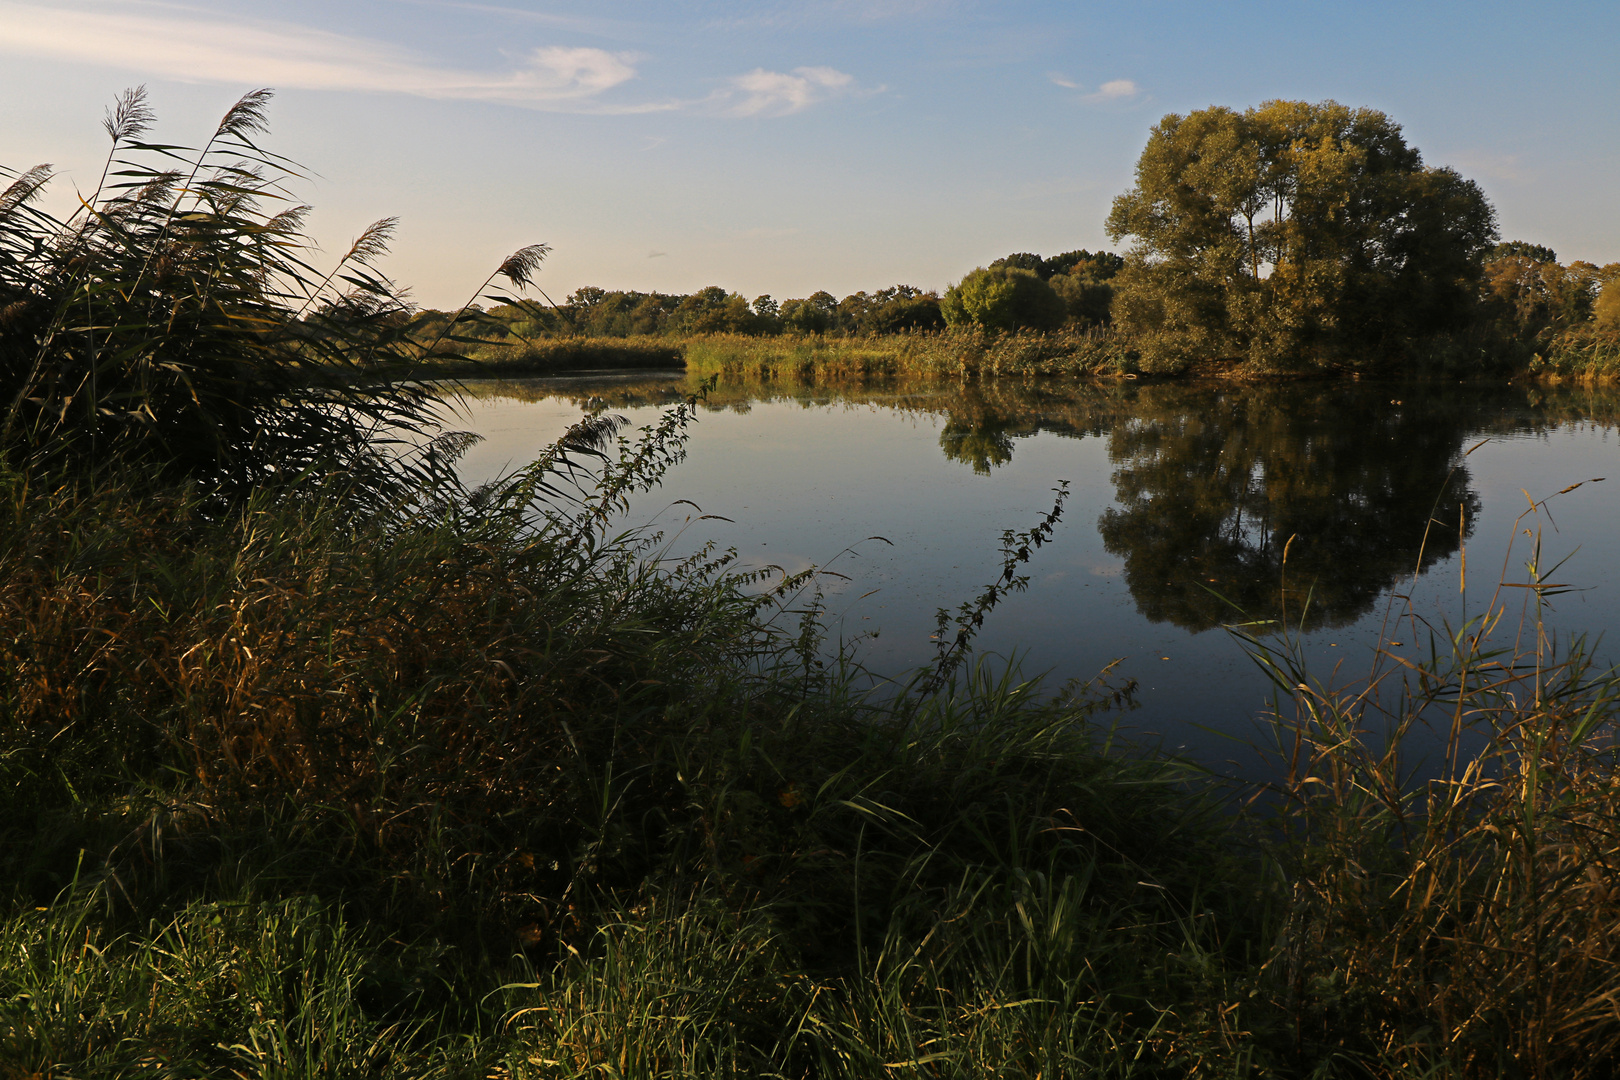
(312, 791)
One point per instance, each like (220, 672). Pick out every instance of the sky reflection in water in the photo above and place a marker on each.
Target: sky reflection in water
(1184, 499)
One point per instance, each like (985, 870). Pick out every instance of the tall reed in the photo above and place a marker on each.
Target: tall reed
(1448, 832)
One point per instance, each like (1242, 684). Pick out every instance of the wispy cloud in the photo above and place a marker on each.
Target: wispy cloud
(776, 93)
(179, 44)
(1059, 79)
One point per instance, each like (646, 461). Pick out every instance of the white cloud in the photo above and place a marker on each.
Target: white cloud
(199, 48)
(1115, 90)
(774, 93)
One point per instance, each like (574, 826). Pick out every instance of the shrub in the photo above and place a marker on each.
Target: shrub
(1003, 298)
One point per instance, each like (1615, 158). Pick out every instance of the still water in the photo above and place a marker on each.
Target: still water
(1183, 501)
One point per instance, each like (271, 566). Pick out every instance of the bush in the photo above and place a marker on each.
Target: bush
(1003, 298)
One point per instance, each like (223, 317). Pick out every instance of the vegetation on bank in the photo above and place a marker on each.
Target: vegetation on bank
(1287, 239)
(315, 762)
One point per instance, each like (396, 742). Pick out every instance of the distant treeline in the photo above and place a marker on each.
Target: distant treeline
(1287, 238)
(1530, 312)
(1070, 288)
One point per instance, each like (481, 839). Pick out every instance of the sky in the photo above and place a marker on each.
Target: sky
(784, 147)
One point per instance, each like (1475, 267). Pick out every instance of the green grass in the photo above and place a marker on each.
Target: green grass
(303, 794)
(545, 356)
(1583, 355)
(476, 785)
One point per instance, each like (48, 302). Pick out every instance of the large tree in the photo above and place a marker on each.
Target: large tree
(1293, 235)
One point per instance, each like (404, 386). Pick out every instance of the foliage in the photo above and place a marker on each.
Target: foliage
(1606, 311)
(893, 310)
(1530, 294)
(1460, 925)
(712, 310)
(812, 315)
(1293, 236)
(1003, 298)
(1080, 278)
(350, 763)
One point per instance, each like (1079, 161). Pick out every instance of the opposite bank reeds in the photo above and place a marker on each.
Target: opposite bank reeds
(945, 354)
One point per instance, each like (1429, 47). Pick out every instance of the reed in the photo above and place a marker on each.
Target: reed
(952, 354)
(1447, 832)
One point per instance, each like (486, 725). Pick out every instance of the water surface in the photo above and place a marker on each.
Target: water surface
(1183, 501)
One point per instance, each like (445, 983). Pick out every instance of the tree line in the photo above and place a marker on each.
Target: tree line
(1020, 291)
(1287, 237)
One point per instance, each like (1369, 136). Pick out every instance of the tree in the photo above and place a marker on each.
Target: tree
(812, 315)
(1607, 309)
(1528, 292)
(889, 311)
(1003, 298)
(1292, 236)
(1080, 278)
(712, 310)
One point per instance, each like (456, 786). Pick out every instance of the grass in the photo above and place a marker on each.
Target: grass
(544, 356)
(301, 795)
(947, 354)
(1582, 355)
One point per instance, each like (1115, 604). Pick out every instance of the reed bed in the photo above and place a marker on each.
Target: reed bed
(542, 356)
(1584, 355)
(953, 354)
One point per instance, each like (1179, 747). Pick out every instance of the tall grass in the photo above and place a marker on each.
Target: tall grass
(175, 320)
(947, 354)
(1447, 832)
(1584, 354)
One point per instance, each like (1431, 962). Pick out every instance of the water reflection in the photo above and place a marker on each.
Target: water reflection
(1213, 492)
(1215, 484)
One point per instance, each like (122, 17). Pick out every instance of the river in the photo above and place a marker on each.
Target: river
(1183, 500)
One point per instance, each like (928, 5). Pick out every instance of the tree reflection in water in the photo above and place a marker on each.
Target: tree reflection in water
(1213, 481)
(1213, 486)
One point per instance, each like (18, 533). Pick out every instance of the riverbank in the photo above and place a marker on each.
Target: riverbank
(438, 787)
(1590, 357)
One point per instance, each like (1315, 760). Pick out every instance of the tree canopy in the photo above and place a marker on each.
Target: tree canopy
(1003, 298)
(1293, 235)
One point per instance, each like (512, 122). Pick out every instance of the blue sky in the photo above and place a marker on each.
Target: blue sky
(786, 147)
